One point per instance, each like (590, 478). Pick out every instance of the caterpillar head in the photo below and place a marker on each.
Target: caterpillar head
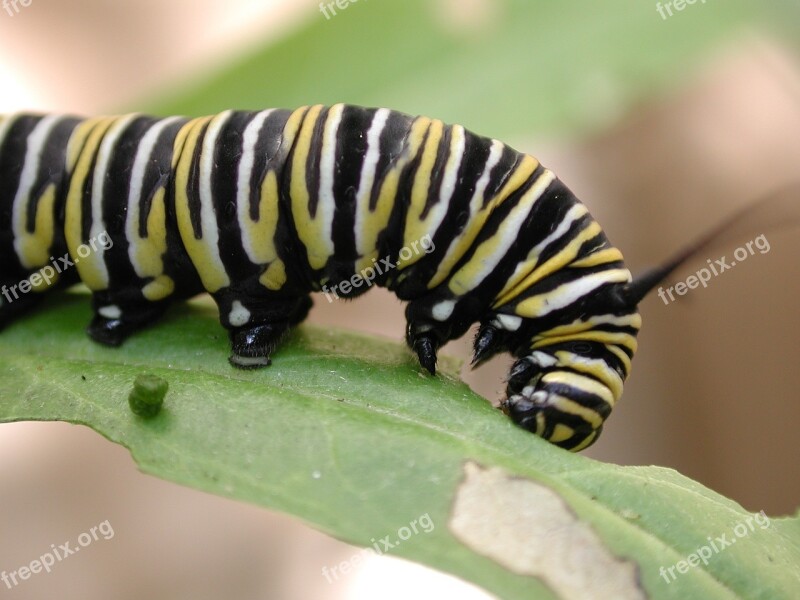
(570, 369)
(572, 365)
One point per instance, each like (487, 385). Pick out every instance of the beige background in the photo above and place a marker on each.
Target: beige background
(713, 392)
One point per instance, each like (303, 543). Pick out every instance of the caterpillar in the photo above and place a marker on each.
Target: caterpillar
(261, 209)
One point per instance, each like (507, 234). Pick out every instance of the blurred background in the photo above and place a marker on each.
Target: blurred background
(663, 121)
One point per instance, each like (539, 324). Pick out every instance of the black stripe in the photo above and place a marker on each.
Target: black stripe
(12, 161)
(193, 184)
(270, 155)
(116, 189)
(314, 159)
(351, 151)
(393, 145)
(51, 170)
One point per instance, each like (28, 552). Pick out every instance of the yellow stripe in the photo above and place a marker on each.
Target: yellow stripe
(416, 227)
(475, 224)
(595, 367)
(147, 253)
(561, 433)
(633, 320)
(571, 407)
(623, 358)
(604, 337)
(42, 285)
(309, 229)
(180, 140)
(79, 136)
(274, 277)
(261, 233)
(33, 249)
(82, 148)
(609, 255)
(586, 442)
(582, 384)
(204, 258)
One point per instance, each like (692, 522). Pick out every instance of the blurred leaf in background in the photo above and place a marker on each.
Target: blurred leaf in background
(501, 67)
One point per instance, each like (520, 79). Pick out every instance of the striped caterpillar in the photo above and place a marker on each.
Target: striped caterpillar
(260, 209)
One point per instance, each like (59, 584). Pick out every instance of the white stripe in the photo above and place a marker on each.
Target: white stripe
(495, 154)
(571, 292)
(98, 183)
(368, 176)
(597, 320)
(33, 156)
(507, 322)
(246, 165)
(573, 214)
(208, 219)
(143, 154)
(326, 204)
(542, 359)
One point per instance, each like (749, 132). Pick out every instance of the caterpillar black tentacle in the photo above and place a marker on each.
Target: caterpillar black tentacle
(262, 208)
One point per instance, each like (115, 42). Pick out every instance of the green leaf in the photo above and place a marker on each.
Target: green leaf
(347, 433)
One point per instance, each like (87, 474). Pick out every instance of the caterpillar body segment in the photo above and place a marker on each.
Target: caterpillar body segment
(260, 209)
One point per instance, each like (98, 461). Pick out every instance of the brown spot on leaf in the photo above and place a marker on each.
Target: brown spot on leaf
(530, 530)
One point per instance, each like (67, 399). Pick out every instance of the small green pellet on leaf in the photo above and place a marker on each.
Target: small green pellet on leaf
(147, 395)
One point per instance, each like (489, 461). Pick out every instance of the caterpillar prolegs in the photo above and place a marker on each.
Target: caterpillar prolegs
(260, 209)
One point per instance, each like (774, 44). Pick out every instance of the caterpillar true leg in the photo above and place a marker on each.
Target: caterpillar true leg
(432, 321)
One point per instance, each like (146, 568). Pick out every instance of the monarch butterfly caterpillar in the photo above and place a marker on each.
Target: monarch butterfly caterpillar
(262, 208)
